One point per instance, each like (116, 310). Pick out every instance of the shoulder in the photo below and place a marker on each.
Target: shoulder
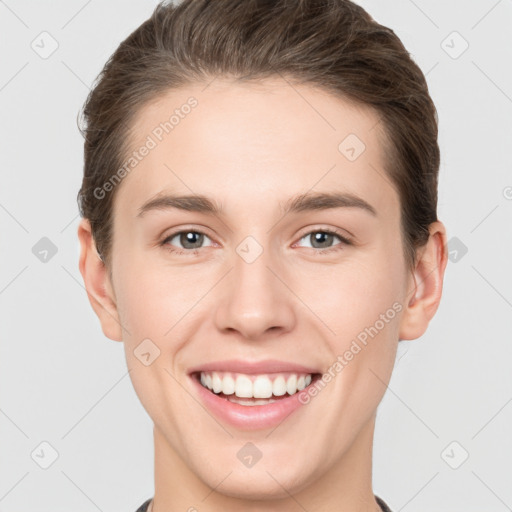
(144, 506)
(382, 504)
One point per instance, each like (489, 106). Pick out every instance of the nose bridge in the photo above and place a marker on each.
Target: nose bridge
(254, 299)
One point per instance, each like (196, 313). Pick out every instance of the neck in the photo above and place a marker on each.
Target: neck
(344, 486)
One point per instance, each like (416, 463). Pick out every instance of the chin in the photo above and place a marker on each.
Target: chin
(258, 485)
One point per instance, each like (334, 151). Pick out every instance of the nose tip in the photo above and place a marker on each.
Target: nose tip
(251, 326)
(254, 301)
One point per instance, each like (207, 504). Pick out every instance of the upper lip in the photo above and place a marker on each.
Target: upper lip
(254, 367)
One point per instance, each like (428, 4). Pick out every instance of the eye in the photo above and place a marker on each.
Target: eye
(322, 239)
(189, 239)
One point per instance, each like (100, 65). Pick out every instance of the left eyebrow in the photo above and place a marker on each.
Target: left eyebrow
(310, 201)
(325, 201)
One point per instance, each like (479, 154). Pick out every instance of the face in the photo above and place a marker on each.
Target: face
(258, 290)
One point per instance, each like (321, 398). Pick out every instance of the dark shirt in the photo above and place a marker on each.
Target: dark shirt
(382, 504)
(380, 501)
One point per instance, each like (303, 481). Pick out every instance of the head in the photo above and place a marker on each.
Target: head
(299, 143)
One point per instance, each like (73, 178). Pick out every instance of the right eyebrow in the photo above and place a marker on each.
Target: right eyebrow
(191, 203)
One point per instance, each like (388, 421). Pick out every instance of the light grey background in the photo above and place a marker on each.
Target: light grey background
(62, 382)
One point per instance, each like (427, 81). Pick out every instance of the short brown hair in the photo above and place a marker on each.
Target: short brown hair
(334, 45)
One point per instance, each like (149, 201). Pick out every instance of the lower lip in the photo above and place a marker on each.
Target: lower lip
(250, 417)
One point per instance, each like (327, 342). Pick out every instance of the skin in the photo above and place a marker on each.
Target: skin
(250, 147)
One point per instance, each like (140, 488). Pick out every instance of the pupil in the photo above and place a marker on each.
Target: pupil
(189, 238)
(318, 237)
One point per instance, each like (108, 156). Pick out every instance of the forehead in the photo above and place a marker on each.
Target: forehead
(247, 141)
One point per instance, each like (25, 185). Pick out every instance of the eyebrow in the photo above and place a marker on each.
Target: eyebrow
(310, 201)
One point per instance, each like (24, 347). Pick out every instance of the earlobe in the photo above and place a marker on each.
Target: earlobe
(424, 296)
(97, 283)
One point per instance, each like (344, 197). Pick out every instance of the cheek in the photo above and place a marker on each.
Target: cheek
(352, 296)
(361, 304)
(370, 330)
(153, 298)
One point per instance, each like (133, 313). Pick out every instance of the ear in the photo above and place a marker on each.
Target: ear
(97, 283)
(425, 285)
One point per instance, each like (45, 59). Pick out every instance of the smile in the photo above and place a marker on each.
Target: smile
(252, 401)
(235, 386)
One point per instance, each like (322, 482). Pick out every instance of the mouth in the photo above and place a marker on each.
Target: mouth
(254, 390)
(252, 395)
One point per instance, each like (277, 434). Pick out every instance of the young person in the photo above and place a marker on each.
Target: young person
(259, 229)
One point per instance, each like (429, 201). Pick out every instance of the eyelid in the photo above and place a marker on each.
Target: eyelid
(196, 228)
(205, 231)
(342, 233)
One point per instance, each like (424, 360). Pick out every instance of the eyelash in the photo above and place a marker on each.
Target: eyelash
(169, 248)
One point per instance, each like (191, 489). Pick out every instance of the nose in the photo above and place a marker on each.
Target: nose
(255, 299)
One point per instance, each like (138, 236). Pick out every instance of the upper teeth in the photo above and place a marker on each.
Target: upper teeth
(254, 386)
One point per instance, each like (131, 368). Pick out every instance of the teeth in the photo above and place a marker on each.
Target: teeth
(243, 387)
(279, 386)
(241, 401)
(228, 385)
(291, 385)
(216, 383)
(254, 386)
(262, 387)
